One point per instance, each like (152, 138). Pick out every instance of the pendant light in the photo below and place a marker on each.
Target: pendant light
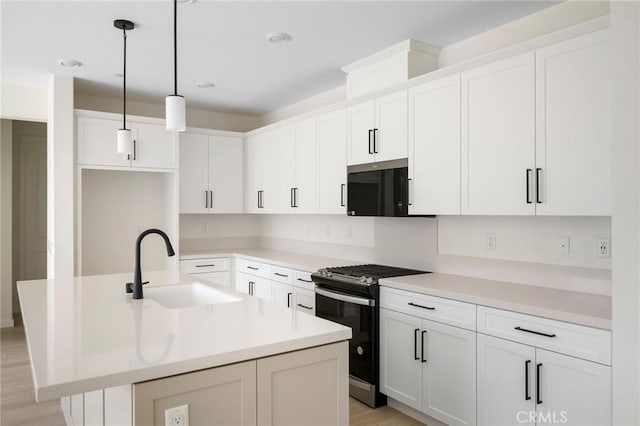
(175, 104)
(124, 135)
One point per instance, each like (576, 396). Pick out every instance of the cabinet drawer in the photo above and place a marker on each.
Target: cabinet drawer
(254, 268)
(282, 275)
(305, 301)
(447, 311)
(582, 342)
(197, 266)
(302, 279)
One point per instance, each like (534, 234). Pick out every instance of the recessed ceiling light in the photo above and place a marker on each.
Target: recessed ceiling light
(278, 37)
(69, 63)
(205, 84)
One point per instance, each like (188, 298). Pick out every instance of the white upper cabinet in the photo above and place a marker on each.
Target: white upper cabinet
(286, 170)
(573, 136)
(210, 173)
(96, 138)
(269, 162)
(305, 192)
(252, 173)
(434, 147)
(377, 129)
(331, 130)
(498, 137)
(153, 146)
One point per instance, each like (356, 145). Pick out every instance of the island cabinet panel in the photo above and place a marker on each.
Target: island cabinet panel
(307, 387)
(217, 396)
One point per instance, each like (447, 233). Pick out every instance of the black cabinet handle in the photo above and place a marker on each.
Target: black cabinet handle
(342, 185)
(375, 141)
(206, 266)
(291, 198)
(295, 197)
(252, 267)
(258, 199)
(528, 184)
(370, 133)
(304, 306)
(280, 275)
(538, 400)
(422, 358)
(211, 199)
(251, 284)
(538, 170)
(527, 397)
(415, 344)
(409, 191)
(135, 157)
(539, 333)
(305, 281)
(206, 199)
(289, 300)
(421, 306)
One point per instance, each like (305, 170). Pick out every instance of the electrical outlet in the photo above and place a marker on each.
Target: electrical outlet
(604, 247)
(564, 244)
(491, 241)
(177, 416)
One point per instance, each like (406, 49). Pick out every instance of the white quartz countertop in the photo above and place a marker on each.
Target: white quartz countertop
(570, 306)
(86, 334)
(280, 258)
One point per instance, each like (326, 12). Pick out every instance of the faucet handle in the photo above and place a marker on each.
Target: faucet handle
(128, 287)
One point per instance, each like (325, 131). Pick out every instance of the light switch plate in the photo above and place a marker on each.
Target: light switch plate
(177, 416)
(564, 244)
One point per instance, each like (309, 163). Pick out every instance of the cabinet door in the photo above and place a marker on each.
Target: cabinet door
(243, 282)
(449, 376)
(215, 396)
(400, 357)
(309, 387)
(252, 172)
(573, 390)
(153, 147)
(269, 174)
(504, 370)
(282, 294)
(285, 169)
(360, 124)
(97, 145)
(225, 174)
(573, 119)
(391, 122)
(306, 192)
(332, 162)
(434, 147)
(498, 130)
(194, 173)
(305, 301)
(220, 278)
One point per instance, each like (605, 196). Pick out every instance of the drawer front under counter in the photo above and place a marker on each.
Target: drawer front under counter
(198, 266)
(282, 275)
(447, 311)
(254, 268)
(303, 280)
(571, 339)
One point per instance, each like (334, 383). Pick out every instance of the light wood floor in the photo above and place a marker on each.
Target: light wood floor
(18, 406)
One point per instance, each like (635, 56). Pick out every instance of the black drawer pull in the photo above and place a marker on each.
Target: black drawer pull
(280, 275)
(206, 266)
(289, 300)
(422, 358)
(304, 306)
(539, 333)
(528, 184)
(415, 344)
(538, 400)
(527, 397)
(304, 281)
(252, 267)
(421, 306)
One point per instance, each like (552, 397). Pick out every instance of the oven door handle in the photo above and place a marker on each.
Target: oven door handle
(345, 297)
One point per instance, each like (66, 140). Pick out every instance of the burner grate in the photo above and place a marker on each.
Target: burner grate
(374, 271)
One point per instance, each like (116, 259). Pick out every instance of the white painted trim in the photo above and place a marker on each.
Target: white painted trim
(6, 323)
(403, 46)
(414, 414)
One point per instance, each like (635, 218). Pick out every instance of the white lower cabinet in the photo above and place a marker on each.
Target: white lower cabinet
(214, 270)
(429, 366)
(521, 384)
(254, 285)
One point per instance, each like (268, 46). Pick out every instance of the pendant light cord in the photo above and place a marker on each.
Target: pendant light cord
(175, 47)
(124, 78)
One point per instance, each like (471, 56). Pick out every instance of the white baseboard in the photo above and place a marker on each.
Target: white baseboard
(6, 322)
(414, 414)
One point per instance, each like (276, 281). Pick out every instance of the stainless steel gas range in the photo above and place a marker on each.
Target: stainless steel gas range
(349, 295)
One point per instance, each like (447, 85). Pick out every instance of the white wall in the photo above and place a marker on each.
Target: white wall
(60, 179)
(23, 103)
(6, 249)
(195, 117)
(218, 231)
(625, 32)
(320, 100)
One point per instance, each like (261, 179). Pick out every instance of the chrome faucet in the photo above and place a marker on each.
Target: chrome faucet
(136, 286)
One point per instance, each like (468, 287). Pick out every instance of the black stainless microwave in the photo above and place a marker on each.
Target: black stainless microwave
(378, 189)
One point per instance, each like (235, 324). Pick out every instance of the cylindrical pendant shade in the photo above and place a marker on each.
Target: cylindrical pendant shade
(124, 141)
(176, 112)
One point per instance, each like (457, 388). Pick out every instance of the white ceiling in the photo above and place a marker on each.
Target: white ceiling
(224, 42)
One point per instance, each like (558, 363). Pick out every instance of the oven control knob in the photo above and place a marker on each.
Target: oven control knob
(369, 280)
(362, 279)
(360, 350)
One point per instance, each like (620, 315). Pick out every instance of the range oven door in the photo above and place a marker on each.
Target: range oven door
(360, 314)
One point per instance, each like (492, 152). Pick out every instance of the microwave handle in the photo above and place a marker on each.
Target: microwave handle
(342, 187)
(345, 297)
(409, 186)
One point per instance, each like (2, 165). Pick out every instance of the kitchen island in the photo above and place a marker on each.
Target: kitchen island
(240, 360)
